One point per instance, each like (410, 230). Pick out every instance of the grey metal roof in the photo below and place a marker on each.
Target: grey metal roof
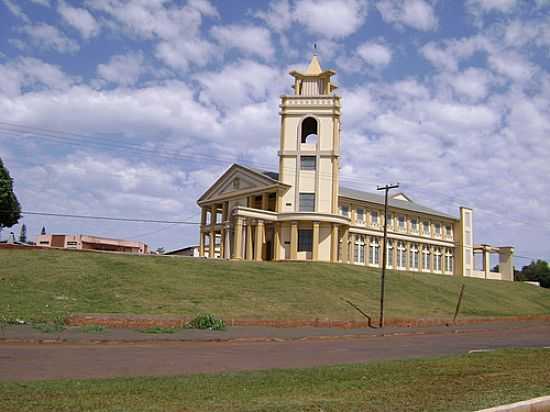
(373, 198)
(401, 204)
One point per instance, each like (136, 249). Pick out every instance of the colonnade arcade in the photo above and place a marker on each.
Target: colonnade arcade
(256, 234)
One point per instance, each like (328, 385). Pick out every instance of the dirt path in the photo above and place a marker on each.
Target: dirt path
(54, 361)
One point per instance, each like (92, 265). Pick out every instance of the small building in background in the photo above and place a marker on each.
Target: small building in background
(88, 242)
(185, 251)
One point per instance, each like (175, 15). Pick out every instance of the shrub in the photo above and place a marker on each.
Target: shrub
(206, 321)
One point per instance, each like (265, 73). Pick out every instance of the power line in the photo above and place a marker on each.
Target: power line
(178, 222)
(77, 140)
(109, 218)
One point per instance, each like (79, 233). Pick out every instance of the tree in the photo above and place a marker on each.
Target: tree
(10, 210)
(43, 231)
(23, 234)
(538, 271)
(160, 251)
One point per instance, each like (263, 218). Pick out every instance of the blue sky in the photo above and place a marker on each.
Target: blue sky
(134, 108)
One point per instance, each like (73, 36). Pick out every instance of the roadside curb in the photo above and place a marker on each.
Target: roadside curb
(532, 405)
(218, 339)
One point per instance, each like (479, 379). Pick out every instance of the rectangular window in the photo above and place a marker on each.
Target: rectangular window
(360, 216)
(414, 257)
(426, 228)
(307, 202)
(344, 210)
(308, 162)
(305, 240)
(401, 222)
(437, 262)
(374, 256)
(401, 255)
(374, 217)
(414, 225)
(360, 250)
(426, 259)
(437, 228)
(389, 256)
(449, 230)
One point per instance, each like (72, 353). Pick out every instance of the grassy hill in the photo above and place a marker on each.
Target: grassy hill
(45, 284)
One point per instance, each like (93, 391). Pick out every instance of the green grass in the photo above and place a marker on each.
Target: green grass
(459, 383)
(45, 284)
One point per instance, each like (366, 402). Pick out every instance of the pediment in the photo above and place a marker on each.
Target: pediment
(401, 196)
(238, 179)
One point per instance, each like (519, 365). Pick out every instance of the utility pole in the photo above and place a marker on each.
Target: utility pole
(386, 189)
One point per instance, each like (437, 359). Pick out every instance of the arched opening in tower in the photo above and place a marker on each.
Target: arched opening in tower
(309, 130)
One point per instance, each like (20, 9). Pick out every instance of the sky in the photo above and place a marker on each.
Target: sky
(133, 109)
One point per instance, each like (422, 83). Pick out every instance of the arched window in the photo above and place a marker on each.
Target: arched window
(374, 256)
(413, 257)
(401, 255)
(426, 259)
(309, 130)
(360, 249)
(389, 256)
(437, 260)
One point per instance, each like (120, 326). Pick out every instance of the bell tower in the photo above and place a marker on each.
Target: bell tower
(310, 142)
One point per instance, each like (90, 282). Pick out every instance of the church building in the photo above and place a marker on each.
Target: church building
(302, 212)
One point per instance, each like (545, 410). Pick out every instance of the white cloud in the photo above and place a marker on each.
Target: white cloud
(239, 84)
(375, 53)
(16, 10)
(418, 14)
(147, 113)
(447, 55)
(513, 65)
(175, 29)
(28, 72)
(81, 19)
(479, 9)
(122, 69)
(456, 118)
(45, 3)
(278, 17)
(182, 55)
(485, 6)
(49, 37)
(331, 18)
(472, 83)
(410, 88)
(251, 40)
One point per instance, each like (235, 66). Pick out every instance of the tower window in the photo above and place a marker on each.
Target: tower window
(307, 202)
(309, 130)
(308, 162)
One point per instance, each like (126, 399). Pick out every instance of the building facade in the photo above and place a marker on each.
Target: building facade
(302, 212)
(87, 242)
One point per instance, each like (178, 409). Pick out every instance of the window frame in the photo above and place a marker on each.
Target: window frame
(305, 244)
(308, 168)
(342, 207)
(402, 222)
(372, 221)
(301, 198)
(362, 221)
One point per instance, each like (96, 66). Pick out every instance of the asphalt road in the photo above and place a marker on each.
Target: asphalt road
(58, 361)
